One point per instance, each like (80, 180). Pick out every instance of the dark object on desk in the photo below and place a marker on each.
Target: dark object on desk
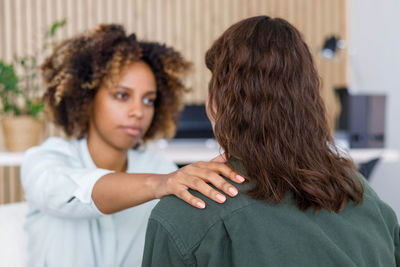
(366, 168)
(343, 121)
(367, 121)
(363, 117)
(193, 123)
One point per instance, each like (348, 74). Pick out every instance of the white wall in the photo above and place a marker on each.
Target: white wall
(374, 56)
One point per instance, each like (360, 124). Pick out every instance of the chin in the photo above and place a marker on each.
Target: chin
(126, 145)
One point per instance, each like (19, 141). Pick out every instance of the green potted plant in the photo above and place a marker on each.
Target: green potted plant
(21, 106)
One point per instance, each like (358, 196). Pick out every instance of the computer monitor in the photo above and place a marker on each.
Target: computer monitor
(194, 124)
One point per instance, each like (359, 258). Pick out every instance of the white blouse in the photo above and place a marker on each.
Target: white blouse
(65, 227)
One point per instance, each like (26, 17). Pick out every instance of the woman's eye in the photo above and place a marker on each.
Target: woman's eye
(121, 95)
(149, 101)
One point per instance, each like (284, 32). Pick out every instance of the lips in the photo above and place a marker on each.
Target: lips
(133, 131)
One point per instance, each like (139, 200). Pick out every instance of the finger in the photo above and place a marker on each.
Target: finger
(222, 169)
(201, 186)
(204, 175)
(190, 199)
(220, 158)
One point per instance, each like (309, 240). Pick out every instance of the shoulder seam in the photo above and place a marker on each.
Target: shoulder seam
(178, 242)
(220, 219)
(184, 246)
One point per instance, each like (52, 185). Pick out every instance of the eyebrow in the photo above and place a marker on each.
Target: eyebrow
(132, 89)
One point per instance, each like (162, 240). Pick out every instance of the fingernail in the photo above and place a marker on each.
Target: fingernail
(220, 197)
(233, 191)
(201, 205)
(240, 178)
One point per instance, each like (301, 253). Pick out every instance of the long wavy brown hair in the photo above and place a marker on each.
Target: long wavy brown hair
(264, 95)
(79, 66)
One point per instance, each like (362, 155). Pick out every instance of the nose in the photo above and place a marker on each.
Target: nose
(136, 110)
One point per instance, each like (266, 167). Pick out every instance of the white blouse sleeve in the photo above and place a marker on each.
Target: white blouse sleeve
(56, 182)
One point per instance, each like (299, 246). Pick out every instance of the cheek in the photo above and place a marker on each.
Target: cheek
(150, 116)
(108, 112)
(117, 112)
(148, 120)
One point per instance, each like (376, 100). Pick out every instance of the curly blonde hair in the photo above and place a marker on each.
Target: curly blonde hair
(79, 66)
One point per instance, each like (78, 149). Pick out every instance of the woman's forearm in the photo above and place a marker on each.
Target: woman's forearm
(118, 191)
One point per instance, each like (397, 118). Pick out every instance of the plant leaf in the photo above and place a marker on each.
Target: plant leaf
(53, 29)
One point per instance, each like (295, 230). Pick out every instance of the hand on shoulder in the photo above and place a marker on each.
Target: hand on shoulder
(197, 176)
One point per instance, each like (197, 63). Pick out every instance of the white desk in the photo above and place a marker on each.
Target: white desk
(185, 151)
(364, 155)
(188, 151)
(10, 158)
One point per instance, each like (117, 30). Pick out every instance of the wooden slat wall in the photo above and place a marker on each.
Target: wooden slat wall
(188, 25)
(10, 185)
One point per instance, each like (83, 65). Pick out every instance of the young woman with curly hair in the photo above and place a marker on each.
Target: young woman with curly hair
(305, 204)
(90, 197)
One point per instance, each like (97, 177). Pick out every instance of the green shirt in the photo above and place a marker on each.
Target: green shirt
(248, 232)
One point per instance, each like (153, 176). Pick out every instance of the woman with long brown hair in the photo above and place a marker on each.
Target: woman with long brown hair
(304, 204)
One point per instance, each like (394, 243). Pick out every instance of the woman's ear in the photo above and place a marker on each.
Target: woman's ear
(209, 113)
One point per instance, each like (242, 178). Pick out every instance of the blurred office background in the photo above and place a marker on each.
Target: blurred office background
(366, 58)
(374, 67)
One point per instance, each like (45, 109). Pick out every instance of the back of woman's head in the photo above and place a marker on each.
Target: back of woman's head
(79, 66)
(264, 96)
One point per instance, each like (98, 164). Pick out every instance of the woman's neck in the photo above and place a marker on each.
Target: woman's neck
(105, 156)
